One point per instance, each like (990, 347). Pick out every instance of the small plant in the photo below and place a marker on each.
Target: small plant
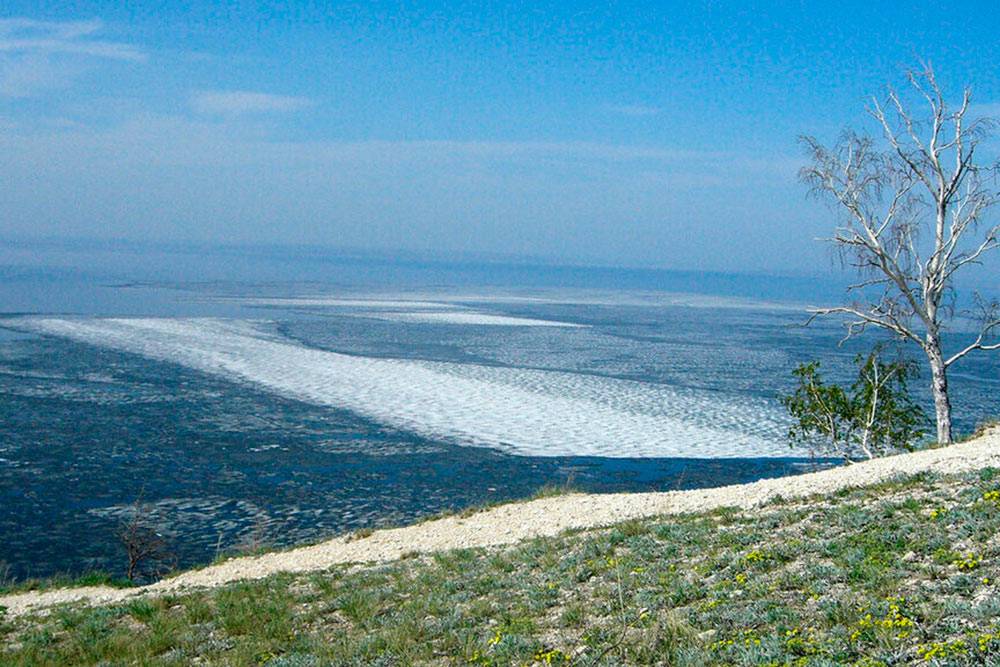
(552, 490)
(967, 563)
(939, 650)
(552, 657)
(359, 534)
(258, 539)
(873, 417)
(6, 578)
(146, 549)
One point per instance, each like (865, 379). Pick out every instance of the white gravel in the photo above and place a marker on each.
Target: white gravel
(508, 524)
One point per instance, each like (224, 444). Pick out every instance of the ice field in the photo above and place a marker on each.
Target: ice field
(519, 411)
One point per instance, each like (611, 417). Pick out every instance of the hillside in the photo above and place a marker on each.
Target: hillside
(899, 572)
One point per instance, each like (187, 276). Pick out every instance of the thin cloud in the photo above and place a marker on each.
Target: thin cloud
(36, 56)
(27, 36)
(635, 110)
(202, 142)
(233, 102)
(30, 74)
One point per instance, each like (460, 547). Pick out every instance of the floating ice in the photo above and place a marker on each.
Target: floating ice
(332, 302)
(467, 318)
(412, 311)
(520, 411)
(572, 296)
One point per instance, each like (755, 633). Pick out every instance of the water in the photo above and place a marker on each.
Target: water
(257, 397)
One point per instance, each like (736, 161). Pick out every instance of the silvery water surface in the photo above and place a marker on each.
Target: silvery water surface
(283, 395)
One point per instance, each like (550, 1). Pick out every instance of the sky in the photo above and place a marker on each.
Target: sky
(626, 134)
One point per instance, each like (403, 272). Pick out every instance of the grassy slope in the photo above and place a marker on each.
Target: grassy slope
(899, 574)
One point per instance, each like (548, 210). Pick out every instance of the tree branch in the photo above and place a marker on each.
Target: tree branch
(978, 344)
(881, 319)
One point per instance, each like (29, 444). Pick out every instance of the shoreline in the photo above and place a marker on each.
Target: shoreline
(515, 522)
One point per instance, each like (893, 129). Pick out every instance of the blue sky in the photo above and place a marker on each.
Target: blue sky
(659, 134)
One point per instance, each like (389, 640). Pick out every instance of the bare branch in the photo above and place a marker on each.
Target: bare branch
(978, 345)
(863, 318)
(989, 318)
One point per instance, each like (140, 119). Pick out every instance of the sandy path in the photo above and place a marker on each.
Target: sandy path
(508, 524)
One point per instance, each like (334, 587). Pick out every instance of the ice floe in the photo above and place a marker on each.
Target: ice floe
(334, 302)
(463, 317)
(520, 411)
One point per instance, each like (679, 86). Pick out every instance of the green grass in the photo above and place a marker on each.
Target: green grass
(902, 573)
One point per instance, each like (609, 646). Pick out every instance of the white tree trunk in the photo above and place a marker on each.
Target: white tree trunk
(939, 389)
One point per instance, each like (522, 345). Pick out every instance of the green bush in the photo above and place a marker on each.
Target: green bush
(873, 417)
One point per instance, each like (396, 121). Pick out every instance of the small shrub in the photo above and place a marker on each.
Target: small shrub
(873, 417)
(146, 549)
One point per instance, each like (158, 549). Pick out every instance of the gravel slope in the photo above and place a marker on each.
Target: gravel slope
(515, 522)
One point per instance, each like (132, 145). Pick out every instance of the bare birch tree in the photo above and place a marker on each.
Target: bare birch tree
(914, 205)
